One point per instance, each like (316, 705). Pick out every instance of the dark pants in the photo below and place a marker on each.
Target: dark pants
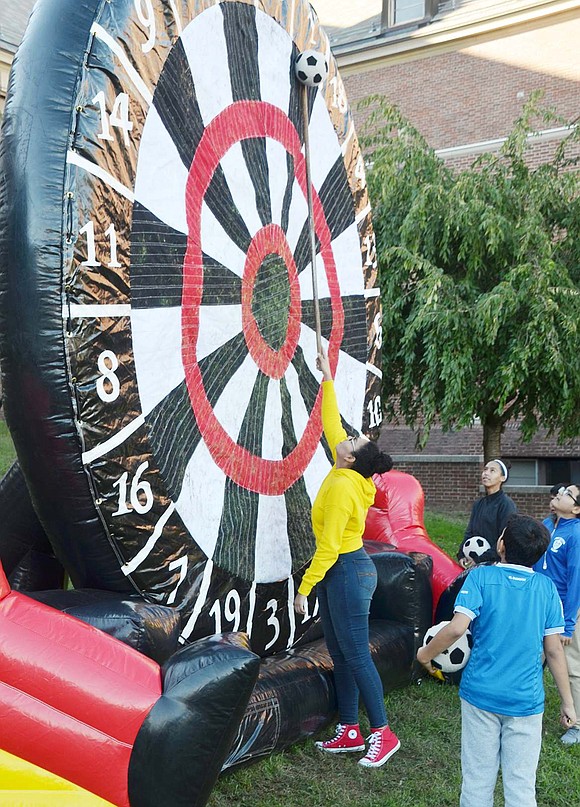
(344, 597)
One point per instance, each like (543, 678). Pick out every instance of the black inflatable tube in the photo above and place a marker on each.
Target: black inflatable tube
(295, 695)
(444, 611)
(36, 131)
(180, 748)
(150, 628)
(25, 551)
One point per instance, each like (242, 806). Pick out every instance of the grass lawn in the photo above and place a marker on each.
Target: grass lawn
(446, 531)
(425, 715)
(7, 453)
(424, 773)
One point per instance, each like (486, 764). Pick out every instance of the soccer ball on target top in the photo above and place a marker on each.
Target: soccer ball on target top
(475, 547)
(456, 656)
(311, 68)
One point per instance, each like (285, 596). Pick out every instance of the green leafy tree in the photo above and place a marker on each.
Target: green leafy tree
(480, 280)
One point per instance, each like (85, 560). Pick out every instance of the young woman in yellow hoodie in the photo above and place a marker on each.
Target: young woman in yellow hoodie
(346, 578)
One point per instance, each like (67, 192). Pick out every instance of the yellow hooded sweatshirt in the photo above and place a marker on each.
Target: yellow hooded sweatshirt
(341, 505)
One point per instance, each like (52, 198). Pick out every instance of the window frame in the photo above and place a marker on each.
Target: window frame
(389, 13)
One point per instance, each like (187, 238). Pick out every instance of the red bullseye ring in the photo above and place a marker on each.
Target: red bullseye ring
(243, 120)
(270, 240)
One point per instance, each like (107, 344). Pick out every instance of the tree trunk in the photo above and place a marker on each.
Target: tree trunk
(492, 430)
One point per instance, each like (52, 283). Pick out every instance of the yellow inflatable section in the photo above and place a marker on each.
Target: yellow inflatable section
(23, 784)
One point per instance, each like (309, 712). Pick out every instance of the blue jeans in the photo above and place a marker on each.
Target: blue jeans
(488, 740)
(344, 598)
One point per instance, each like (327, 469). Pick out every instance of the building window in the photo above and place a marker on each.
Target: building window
(545, 471)
(523, 472)
(562, 470)
(397, 13)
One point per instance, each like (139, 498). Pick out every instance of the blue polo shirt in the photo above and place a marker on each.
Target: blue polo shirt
(512, 608)
(561, 563)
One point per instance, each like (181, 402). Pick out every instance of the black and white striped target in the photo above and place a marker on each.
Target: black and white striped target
(189, 313)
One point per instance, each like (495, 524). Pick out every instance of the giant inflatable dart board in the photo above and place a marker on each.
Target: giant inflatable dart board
(158, 318)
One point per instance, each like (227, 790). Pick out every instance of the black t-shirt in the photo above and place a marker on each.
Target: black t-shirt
(488, 518)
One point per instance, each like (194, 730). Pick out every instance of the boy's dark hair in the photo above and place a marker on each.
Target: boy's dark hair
(555, 489)
(525, 540)
(369, 460)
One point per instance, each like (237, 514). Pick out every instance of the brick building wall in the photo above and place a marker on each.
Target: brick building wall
(469, 441)
(464, 97)
(452, 483)
(449, 468)
(538, 152)
(475, 93)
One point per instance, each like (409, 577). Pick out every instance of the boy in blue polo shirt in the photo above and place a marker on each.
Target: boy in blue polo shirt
(561, 563)
(514, 614)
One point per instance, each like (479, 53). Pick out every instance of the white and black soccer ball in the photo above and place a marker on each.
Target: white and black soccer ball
(311, 68)
(456, 656)
(475, 547)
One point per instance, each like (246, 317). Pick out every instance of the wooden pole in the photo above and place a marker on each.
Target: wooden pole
(317, 328)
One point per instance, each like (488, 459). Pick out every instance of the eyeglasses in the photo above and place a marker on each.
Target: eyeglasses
(352, 441)
(566, 492)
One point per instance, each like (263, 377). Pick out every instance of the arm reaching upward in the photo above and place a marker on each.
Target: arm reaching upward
(324, 366)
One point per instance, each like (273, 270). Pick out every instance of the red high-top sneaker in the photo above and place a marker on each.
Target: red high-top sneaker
(347, 738)
(383, 744)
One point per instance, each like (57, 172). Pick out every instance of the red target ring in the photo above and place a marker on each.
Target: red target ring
(270, 240)
(243, 120)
